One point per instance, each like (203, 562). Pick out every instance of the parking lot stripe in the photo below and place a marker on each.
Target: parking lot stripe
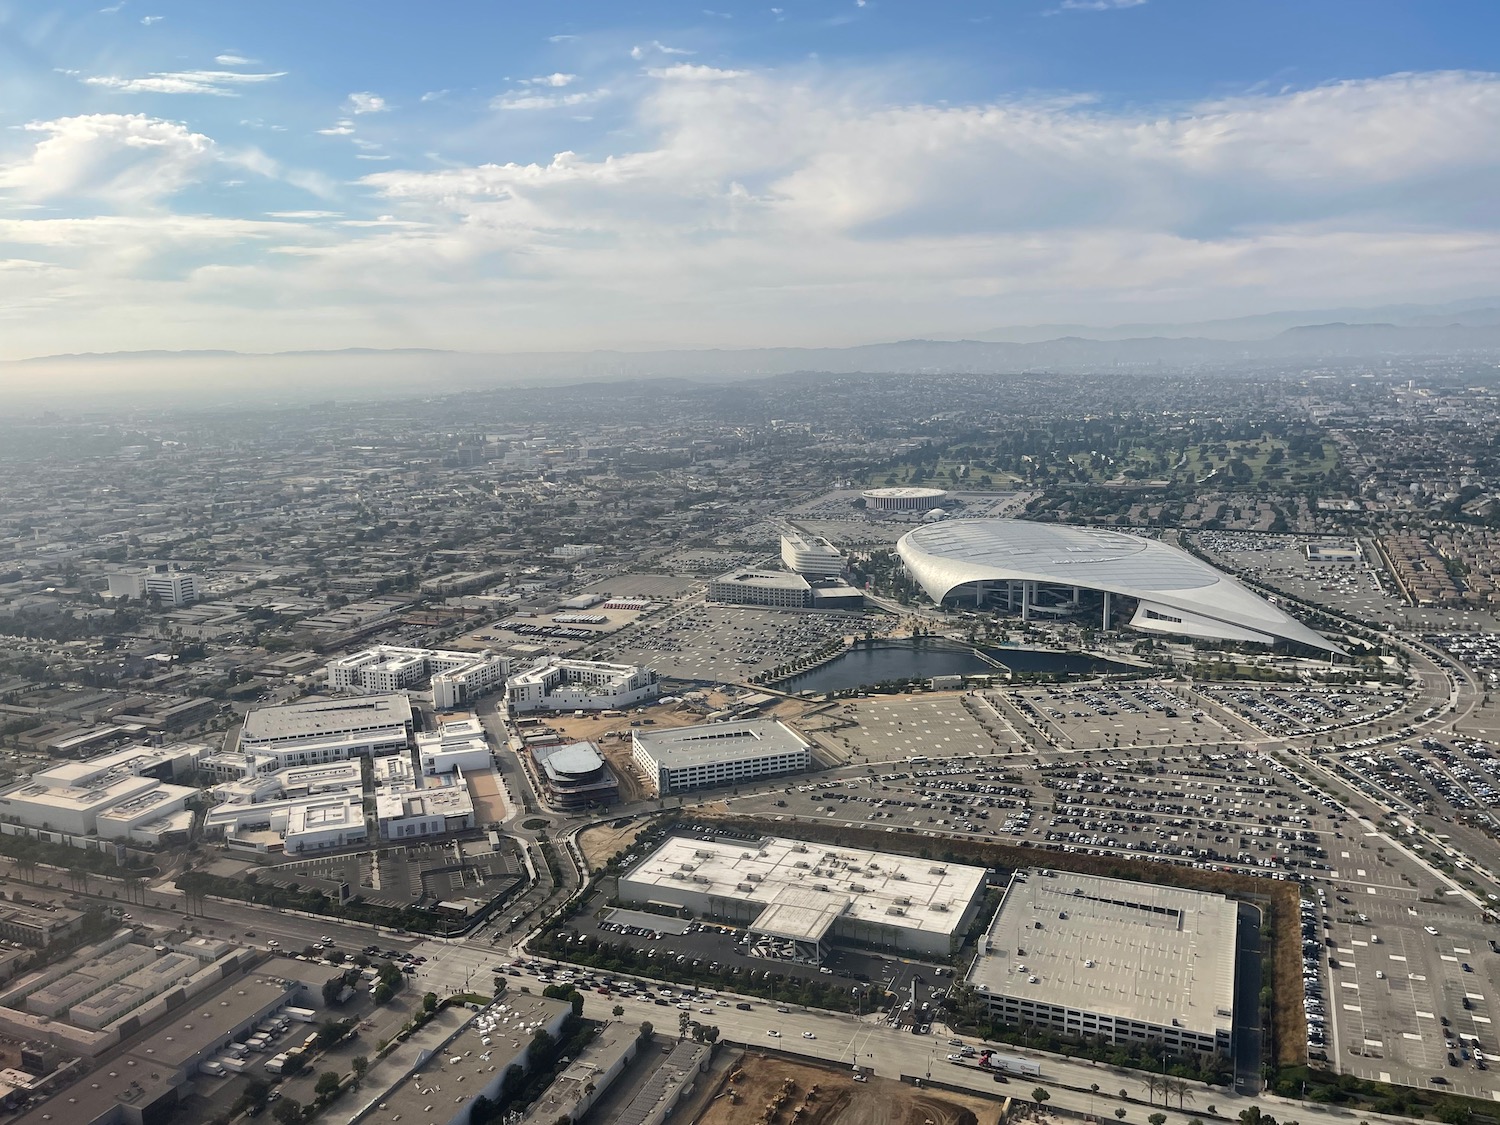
(1411, 1035)
(1425, 1016)
(1353, 1008)
(1447, 957)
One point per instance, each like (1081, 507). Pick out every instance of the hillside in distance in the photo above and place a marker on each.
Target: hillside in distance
(155, 377)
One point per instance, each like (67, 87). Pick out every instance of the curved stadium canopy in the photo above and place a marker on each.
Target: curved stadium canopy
(1175, 592)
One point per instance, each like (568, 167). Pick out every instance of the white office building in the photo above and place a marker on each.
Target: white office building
(588, 685)
(715, 754)
(117, 796)
(811, 556)
(457, 744)
(328, 730)
(296, 826)
(170, 587)
(456, 677)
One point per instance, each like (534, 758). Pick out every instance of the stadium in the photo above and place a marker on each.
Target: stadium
(1044, 571)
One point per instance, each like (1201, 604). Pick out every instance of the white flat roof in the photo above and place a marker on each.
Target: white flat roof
(718, 742)
(326, 717)
(1159, 953)
(893, 890)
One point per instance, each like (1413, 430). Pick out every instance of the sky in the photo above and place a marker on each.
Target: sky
(518, 176)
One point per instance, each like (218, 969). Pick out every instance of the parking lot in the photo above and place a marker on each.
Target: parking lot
(1411, 976)
(896, 727)
(1103, 715)
(1289, 712)
(726, 644)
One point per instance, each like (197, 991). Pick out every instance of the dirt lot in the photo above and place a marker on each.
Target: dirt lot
(599, 844)
(611, 733)
(838, 1099)
(489, 798)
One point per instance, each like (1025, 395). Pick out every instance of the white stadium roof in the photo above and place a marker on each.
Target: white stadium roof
(1176, 592)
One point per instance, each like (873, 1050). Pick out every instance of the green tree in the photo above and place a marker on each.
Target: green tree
(1120, 1113)
(1158, 1118)
(617, 1011)
(359, 1064)
(328, 1084)
(430, 1002)
(1040, 1096)
(288, 1111)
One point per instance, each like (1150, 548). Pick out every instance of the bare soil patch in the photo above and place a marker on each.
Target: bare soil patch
(813, 1095)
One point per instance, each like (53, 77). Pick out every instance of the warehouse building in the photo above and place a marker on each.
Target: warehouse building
(714, 754)
(800, 898)
(1090, 957)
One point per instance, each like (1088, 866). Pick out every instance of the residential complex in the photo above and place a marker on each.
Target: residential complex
(589, 685)
(456, 678)
(1091, 957)
(803, 897)
(714, 754)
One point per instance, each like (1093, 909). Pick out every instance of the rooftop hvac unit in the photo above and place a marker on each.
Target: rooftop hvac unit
(896, 910)
(679, 876)
(755, 877)
(900, 875)
(905, 902)
(701, 854)
(800, 848)
(702, 879)
(820, 886)
(941, 907)
(689, 867)
(937, 871)
(746, 888)
(802, 865)
(859, 888)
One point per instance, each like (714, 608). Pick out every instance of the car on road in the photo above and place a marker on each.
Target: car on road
(1433, 931)
(808, 1035)
(773, 1033)
(955, 1058)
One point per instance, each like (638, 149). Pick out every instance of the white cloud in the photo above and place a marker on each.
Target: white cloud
(514, 101)
(434, 95)
(234, 60)
(561, 38)
(149, 20)
(555, 80)
(366, 102)
(1093, 6)
(219, 83)
(113, 8)
(810, 206)
(122, 159)
(660, 48)
(691, 72)
(342, 128)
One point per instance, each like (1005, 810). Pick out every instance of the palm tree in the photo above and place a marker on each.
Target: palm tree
(1181, 1088)
(1153, 1083)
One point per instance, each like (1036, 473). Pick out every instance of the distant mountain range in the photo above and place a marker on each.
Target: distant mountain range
(1471, 329)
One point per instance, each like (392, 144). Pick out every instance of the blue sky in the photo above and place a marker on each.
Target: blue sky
(524, 176)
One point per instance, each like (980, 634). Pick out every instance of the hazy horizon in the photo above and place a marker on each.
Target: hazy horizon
(176, 177)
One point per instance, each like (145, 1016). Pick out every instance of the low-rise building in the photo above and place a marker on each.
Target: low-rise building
(38, 924)
(441, 807)
(458, 743)
(811, 556)
(798, 897)
(575, 776)
(328, 730)
(775, 588)
(587, 685)
(1095, 958)
(456, 677)
(715, 754)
